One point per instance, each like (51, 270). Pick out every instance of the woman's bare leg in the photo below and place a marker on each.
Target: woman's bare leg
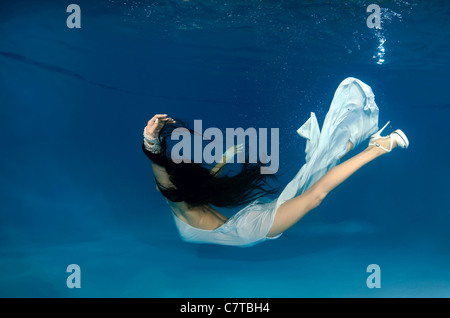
(291, 211)
(349, 147)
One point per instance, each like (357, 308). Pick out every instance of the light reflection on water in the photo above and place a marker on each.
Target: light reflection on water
(380, 49)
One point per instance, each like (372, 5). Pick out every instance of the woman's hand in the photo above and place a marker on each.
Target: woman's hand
(232, 151)
(155, 125)
(227, 156)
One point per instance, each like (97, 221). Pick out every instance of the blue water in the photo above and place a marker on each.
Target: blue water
(77, 189)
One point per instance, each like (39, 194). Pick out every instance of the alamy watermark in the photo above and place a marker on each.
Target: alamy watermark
(74, 279)
(374, 279)
(256, 141)
(374, 19)
(74, 19)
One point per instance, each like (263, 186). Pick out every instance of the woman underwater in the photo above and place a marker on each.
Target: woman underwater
(192, 189)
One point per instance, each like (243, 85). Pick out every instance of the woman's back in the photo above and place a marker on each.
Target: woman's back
(203, 217)
(204, 224)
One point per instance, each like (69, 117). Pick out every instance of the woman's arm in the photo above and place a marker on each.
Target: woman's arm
(226, 157)
(151, 143)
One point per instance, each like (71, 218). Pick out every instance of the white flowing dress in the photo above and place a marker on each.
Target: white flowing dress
(353, 116)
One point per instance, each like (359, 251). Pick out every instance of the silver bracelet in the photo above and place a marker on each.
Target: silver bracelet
(152, 144)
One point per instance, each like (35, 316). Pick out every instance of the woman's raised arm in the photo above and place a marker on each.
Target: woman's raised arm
(152, 144)
(230, 153)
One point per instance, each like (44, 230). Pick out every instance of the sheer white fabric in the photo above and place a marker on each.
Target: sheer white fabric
(353, 116)
(247, 227)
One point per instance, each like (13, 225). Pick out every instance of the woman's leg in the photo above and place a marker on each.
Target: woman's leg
(291, 211)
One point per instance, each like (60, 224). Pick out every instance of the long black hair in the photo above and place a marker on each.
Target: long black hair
(195, 184)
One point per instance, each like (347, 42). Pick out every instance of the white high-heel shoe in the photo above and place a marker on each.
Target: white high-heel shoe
(397, 135)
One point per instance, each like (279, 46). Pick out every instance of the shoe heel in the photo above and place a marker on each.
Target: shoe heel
(378, 133)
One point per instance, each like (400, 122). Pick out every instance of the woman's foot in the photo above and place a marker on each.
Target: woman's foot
(387, 143)
(383, 142)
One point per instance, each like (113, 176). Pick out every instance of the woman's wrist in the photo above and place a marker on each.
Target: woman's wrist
(151, 143)
(149, 135)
